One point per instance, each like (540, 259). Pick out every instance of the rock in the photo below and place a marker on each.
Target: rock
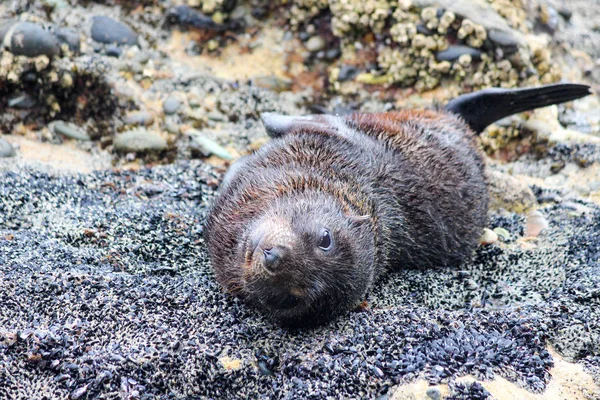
(6, 149)
(452, 53)
(502, 38)
(139, 140)
(347, 73)
(480, 12)
(113, 51)
(28, 39)
(503, 233)
(488, 237)
(139, 118)
(190, 18)
(315, 43)
(332, 54)
(206, 146)
(171, 105)
(70, 37)
(68, 129)
(434, 393)
(565, 13)
(273, 83)
(536, 223)
(22, 101)
(107, 30)
(507, 192)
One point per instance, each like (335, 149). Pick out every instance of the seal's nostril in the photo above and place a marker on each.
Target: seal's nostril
(272, 256)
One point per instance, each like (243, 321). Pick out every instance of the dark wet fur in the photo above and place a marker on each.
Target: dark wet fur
(418, 175)
(416, 219)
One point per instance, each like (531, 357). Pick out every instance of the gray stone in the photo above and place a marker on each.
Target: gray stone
(481, 13)
(139, 140)
(171, 105)
(315, 43)
(452, 53)
(70, 37)
(22, 101)
(28, 39)
(206, 146)
(139, 118)
(6, 149)
(68, 129)
(434, 393)
(107, 30)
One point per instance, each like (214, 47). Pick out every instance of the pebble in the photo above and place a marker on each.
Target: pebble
(488, 237)
(452, 53)
(139, 140)
(113, 51)
(332, 54)
(347, 73)
(434, 393)
(565, 13)
(70, 37)
(79, 393)
(188, 17)
(482, 13)
(22, 101)
(273, 83)
(207, 146)
(503, 233)
(536, 223)
(28, 39)
(502, 38)
(171, 105)
(139, 118)
(315, 43)
(68, 129)
(107, 30)
(6, 149)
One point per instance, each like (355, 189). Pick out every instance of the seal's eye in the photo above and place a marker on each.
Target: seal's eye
(326, 242)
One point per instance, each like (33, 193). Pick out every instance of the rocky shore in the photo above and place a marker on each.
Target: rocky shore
(119, 118)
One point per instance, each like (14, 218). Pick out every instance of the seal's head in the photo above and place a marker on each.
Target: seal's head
(305, 259)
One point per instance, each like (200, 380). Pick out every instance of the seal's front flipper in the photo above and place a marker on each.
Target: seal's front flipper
(278, 125)
(482, 108)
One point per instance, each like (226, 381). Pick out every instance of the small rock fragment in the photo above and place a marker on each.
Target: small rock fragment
(68, 129)
(22, 101)
(347, 72)
(6, 149)
(139, 140)
(434, 393)
(28, 39)
(273, 83)
(139, 118)
(315, 43)
(107, 30)
(171, 105)
(188, 17)
(452, 53)
(208, 146)
(536, 223)
(70, 37)
(503, 233)
(488, 237)
(113, 51)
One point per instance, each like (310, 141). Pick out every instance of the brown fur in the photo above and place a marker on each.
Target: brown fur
(416, 176)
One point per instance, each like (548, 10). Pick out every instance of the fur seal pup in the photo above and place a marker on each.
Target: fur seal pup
(303, 227)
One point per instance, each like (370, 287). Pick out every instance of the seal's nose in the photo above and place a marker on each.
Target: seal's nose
(271, 260)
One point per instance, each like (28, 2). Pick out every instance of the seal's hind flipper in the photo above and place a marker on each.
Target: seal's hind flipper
(482, 108)
(278, 125)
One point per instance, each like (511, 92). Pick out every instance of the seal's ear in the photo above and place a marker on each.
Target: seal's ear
(278, 125)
